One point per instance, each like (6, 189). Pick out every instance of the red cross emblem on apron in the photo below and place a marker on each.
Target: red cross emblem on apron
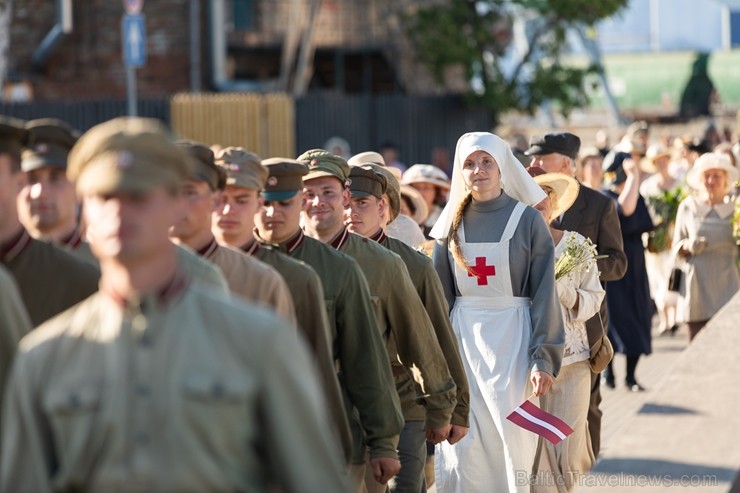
(481, 271)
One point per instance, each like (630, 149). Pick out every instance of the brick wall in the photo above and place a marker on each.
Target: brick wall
(351, 24)
(87, 63)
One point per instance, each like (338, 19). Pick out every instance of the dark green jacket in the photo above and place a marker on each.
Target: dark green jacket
(406, 328)
(373, 408)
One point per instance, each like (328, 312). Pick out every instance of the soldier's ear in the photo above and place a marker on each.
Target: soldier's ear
(382, 205)
(345, 197)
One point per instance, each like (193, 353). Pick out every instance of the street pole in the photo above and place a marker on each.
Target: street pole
(131, 90)
(133, 37)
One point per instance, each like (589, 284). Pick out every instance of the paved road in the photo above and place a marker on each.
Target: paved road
(620, 405)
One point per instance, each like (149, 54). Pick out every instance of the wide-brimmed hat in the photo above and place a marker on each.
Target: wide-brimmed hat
(426, 173)
(421, 211)
(712, 160)
(565, 188)
(654, 152)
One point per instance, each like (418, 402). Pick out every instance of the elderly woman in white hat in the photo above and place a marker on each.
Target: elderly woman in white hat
(580, 294)
(433, 184)
(495, 258)
(703, 238)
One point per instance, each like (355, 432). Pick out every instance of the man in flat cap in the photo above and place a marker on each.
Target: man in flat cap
(405, 325)
(367, 216)
(594, 216)
(154, 383)
(372, 404)
(233, 225)
(247, 277)
(50, 280)
(402, 227)
(47, 204)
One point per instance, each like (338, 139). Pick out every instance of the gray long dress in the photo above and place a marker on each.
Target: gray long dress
(711, 277)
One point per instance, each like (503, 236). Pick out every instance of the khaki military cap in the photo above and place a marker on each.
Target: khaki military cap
(368, 157)
(393, 188)
(13, 136)
(49, 143)
(127, 154)
(204, 164)
(365, 181)
(284, 178)
(242, 168)
(324, 163)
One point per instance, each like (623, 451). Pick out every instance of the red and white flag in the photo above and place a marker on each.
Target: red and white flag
(532, 418)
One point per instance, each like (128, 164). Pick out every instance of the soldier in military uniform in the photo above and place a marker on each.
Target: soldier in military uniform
(371, 208)
(404, 323)
(233, 225)
(247, 277)
(14, 323)
(365, 377)
(50, 280)
(47, 205)
(153, 383)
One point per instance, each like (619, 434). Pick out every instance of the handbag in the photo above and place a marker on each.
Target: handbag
(674, 281)
(605, 353)
(603, 356)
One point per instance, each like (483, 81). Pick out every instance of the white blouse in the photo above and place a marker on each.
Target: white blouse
(583, 285)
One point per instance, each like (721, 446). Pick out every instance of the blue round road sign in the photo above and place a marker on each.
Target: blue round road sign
(133, 6)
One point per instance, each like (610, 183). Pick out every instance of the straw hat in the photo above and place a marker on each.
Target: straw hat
(654, 152)
(565, 188)
(712, 160)
(426, 173)
(420, 206)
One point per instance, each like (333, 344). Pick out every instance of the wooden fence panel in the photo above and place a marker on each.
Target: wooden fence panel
(261, 123)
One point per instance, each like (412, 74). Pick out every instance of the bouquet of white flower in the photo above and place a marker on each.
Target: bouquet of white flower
(577, 255)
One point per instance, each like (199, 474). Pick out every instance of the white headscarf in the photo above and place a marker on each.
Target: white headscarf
(515, 180)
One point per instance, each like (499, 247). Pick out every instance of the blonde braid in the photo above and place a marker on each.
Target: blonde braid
(457, 253)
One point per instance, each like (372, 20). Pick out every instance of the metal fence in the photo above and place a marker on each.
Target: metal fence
(416, 125)
(85, 114)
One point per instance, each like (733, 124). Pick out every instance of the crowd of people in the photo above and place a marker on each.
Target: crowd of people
(177, 316)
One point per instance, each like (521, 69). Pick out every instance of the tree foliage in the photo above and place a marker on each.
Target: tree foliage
(475, 34)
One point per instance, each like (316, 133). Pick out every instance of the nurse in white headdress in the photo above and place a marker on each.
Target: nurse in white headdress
(495, 257)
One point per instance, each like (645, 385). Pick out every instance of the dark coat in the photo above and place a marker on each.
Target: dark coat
(628, 299)
(594, 216)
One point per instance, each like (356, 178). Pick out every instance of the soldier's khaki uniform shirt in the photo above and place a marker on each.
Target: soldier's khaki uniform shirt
(14, 323)
(372, 404)
(50, 279)
(186, 391)
(251, 279)
(405, 326)
(429, 287)
(313, 322)
(201, 270)
(192, 265)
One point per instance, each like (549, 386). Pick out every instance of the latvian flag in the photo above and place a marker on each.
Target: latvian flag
(534, 419)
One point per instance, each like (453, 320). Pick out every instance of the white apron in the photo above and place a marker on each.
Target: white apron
(493, 328)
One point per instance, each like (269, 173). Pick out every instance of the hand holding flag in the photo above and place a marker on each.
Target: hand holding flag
(532, 418)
